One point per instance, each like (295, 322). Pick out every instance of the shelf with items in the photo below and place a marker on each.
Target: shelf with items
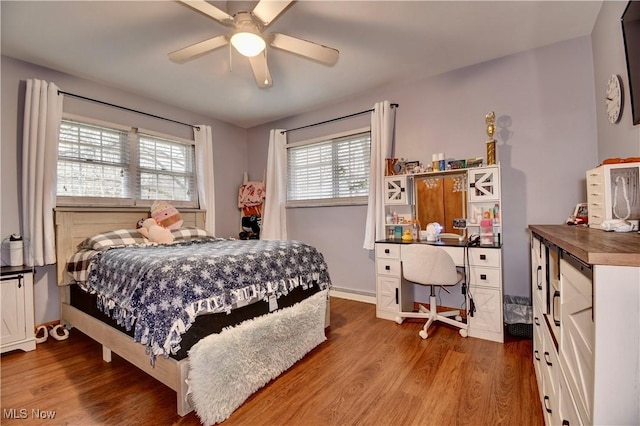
(399, 211)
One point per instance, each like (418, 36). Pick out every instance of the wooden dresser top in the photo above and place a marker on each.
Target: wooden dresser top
(593, 246)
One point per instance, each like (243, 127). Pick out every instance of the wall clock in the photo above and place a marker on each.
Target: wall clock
(613, 98)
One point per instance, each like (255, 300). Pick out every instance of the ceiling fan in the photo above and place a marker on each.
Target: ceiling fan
(248, 37)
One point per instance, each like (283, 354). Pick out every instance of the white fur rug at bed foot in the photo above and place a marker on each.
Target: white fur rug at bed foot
(226, 368)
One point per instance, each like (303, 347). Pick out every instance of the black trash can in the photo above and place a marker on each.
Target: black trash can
(518, 316)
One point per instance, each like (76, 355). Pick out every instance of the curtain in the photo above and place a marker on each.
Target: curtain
(382, 141)
(41, 127)
(274, 221)
(204, 175)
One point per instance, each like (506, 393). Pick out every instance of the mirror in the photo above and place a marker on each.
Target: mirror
(441, 197)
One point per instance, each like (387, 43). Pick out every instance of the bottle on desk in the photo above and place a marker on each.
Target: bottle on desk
(415, 230)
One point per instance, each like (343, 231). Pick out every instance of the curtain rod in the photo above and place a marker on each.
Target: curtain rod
(333, 119)
(84, 98)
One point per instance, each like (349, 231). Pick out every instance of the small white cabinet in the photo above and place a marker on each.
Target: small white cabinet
(484, 184)
(17, 309)
(396, 190)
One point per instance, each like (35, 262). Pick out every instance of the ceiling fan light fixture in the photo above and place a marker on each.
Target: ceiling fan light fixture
(247, 40)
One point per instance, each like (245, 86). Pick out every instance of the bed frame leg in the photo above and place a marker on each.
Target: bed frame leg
(106, 354)
(183, 399)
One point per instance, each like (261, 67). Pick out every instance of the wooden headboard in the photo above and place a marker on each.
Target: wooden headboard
(74, 224)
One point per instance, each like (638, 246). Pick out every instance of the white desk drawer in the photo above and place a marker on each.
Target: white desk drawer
(388, 251)
(485, 277)
(388, 267)
(479, 256)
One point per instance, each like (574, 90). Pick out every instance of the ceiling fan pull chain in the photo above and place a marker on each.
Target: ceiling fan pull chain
(230, 59)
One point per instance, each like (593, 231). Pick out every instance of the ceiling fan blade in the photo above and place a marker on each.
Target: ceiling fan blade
(196, 50)
(261, 70)
(268, 10)
(308, 49)
(209, 10)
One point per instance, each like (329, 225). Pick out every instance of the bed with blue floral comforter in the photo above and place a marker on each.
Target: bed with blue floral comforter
(159, 290)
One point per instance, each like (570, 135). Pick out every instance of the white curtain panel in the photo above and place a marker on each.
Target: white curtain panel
(274, 220)
(204, 175)
(41, 127)
(382, 139)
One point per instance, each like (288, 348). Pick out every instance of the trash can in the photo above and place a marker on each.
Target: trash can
(518, 316)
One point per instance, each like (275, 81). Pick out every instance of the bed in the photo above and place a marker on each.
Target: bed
(73, 226)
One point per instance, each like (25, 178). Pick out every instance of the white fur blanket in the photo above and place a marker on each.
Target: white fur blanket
(226, 368)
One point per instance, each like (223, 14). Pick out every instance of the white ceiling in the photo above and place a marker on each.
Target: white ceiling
(125, 44)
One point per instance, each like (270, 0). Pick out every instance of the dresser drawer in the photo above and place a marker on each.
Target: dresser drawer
(485, 277)
(388, 267)
(479, 256)
(388, 251)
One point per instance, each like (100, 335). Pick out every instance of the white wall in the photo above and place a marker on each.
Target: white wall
(544, 102)
(621, 139)
(230, 153)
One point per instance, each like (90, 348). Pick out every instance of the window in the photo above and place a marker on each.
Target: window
(95, 166)
(330, 171)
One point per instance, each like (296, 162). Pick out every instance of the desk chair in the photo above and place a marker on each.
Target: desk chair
(431, 266)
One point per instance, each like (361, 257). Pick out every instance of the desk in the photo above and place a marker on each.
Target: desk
(483, 269)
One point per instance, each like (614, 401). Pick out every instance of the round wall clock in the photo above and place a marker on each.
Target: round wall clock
(613, 99)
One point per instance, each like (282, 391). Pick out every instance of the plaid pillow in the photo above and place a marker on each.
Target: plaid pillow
(188, 233)
(78, 264)
(119, 237)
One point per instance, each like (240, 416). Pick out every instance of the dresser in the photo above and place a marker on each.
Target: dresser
(17, 309)
(586, 347)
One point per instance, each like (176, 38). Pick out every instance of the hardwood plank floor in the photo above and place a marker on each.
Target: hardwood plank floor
(368, 372)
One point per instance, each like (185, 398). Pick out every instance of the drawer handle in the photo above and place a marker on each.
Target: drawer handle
(536, 321)
(546, 399)
(565, 422)
(387, 251)
(483, 276)
(483, 257)
(546, 359)
(536, 355)
(387, 267)
(397, 296)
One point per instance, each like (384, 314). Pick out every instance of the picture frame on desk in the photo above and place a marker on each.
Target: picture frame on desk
(409, 166)
(474, 162)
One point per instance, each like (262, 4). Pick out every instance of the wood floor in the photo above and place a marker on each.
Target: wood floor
(368, 372)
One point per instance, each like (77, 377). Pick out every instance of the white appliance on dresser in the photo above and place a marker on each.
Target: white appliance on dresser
(613, 192)
(588, 365)
(482, 264)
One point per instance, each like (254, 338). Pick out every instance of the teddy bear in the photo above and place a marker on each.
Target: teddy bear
(155, 232)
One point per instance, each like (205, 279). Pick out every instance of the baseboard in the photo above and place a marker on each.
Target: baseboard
(48, 324)
(358, 296)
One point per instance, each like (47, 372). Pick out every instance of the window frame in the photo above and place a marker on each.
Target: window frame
(134, 201)
(327, 202)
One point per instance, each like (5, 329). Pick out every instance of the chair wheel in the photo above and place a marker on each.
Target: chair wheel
(463, 332)
(423, 334)
(399, 320)
(458, 318)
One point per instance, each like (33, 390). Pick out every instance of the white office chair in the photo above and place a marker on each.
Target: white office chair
(430, 266)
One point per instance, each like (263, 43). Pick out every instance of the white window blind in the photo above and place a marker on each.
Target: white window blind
(336, 169)
(166, 169)
(93, 161)
(98, 164)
